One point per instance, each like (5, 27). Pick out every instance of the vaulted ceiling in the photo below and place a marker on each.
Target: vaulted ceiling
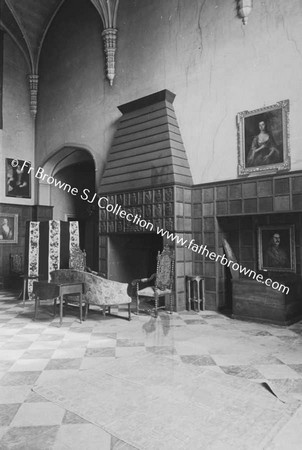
(27, 22)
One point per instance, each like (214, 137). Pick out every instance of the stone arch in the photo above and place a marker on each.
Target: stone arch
(61, 180)
(59, 159)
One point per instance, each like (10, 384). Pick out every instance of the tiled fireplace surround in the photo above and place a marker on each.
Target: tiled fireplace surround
(168, 208)
(233, 209)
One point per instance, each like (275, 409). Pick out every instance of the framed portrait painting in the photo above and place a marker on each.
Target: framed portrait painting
(8, 228)
(18, 181)
(276, 248)
(263, 139)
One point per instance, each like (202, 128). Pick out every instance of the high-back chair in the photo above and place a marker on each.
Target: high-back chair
(163, 281)
(16, 268)
(16, 264)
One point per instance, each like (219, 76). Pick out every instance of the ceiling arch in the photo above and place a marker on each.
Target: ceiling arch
(27, 22)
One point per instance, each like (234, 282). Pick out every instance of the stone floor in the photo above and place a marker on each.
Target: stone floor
(34, 351)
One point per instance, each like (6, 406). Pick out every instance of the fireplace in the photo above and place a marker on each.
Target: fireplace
(132, 255)
(147, 175)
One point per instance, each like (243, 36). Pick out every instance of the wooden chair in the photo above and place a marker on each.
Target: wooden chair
(16, 264)
(16, 267)
(77, 261)
(16, 270)
(163, 281)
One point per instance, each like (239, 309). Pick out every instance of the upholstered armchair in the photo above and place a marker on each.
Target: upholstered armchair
(98, 290)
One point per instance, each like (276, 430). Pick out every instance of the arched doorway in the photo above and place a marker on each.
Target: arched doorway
(66, 174)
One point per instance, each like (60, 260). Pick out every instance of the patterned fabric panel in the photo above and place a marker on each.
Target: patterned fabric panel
(77, 259)
(33, 252)
(74, 235)
(54, 245)
(49, 245)
(164, 271)
(98, 290)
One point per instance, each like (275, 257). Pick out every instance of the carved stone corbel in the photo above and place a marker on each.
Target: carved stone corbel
(110, 40)
(107, 10)
(244, 9)
(33, 89)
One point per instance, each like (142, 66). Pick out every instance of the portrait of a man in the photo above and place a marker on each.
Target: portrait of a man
(276, 248)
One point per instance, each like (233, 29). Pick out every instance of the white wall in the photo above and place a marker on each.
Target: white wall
(217, 67)
(17, 136)
(201, 51)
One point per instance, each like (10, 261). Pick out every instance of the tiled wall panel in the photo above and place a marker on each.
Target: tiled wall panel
(169, 208)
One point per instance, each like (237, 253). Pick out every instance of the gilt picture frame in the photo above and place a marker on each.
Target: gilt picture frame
(8, 228)
(18, 182)
(276, 248)
(263, 140)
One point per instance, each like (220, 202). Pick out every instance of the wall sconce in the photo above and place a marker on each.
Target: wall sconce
(244, 9)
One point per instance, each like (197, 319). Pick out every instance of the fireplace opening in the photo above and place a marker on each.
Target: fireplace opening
(132, 256)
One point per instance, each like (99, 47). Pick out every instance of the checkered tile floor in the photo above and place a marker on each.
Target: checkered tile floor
(37, 351)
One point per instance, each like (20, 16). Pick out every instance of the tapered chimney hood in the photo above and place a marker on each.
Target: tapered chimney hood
(147, 149)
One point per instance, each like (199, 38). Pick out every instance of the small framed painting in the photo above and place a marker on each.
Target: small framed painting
(8, 228)
(276, 248)
(263, 139)
(18, 181)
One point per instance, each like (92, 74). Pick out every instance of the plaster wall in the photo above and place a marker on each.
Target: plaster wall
(201, 51)
(80, 176)
(17, 137)
(72, 93)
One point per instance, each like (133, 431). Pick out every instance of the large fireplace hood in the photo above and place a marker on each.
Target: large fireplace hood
(148, 175)
(147, 149)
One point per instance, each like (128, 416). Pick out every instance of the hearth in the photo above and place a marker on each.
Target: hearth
(132, 255)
